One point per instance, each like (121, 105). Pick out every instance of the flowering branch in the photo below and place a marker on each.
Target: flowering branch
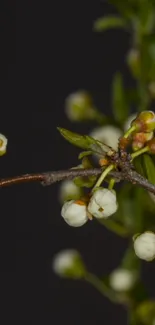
(48, 178)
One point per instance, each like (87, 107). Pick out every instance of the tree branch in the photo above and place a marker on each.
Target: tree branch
(49, 178)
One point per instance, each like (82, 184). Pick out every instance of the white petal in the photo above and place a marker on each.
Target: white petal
(64, 260)
(103, 203)
(74, 214)
(107, 134)
(122, 279)
(144, 246)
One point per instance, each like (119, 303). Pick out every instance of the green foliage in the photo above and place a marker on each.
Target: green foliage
(85, 142)
(149, 168)
(105, 23)
(120, 105)
(136, 209)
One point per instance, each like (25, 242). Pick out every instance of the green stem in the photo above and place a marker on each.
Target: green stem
(103, 175)
(111, 184)
(101, 287)
(100, 118)
(139, 152)
(129, 131)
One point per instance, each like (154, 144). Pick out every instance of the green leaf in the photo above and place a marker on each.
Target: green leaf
(86, 142)
(120, 106)
(130, 260)
(84, 154)
(124, 7)
(85, 181)
(105, 23)
(115, 227)
(130, 208)
(138, 164)
(149, 168)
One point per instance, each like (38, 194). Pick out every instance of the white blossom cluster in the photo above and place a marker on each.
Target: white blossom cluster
(102, 204)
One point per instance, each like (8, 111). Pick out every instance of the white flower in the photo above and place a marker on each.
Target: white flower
(144, 246)
(108, 134)
(127, 123)
(74, 213)
(3, 144)
(69, 190)
(103, 203)
(78, 106)
(68, 262)
(122, 279)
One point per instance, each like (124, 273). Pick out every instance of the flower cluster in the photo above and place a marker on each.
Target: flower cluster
(102, 204)
(141, 131)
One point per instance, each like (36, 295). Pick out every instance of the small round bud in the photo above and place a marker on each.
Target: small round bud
(139, 139)
(103, 203)
(74, 213)
(127, 123)
(122, 279)
(79, 106)
(151, 146)
(145, 312)
(3, 144)
(68, 263)
(144, 122)
(144, 246)
(108, 134)
(69, 190)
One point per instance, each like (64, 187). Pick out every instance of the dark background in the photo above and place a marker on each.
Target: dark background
(48, 50)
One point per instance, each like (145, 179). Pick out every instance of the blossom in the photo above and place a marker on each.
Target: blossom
(3, 144)
(68, 263)
(103, 203)
(79, 106)
(122, 279)
(69, 190)
(144, 246)
(108, 134)
(74, 213)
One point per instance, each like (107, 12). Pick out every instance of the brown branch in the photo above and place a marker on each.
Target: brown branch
(49, 178)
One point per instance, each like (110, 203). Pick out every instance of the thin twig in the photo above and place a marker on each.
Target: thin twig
(49, 178)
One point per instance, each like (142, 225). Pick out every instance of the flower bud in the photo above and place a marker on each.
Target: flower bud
(151, 145)
(145, 312)
(144, 246)
(74, 213)
(108, 134)
(79, 106)
(103, 203)
(140, 138)
(3, 144)
(69, 190)
(68, 263)
(144, 122)
(122, 279)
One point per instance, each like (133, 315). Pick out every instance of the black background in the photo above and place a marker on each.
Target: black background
(48, 50)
